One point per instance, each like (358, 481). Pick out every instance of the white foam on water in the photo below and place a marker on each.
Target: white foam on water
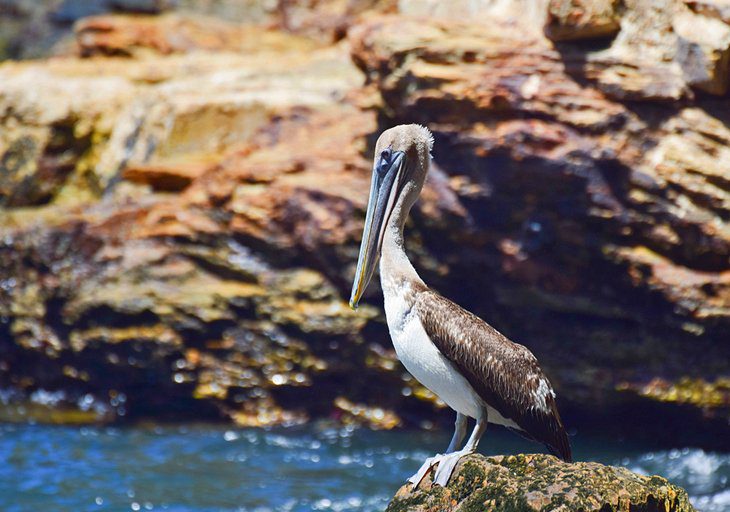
(704, 474)
(714, 503)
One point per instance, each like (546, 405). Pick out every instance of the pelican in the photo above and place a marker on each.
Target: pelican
(471, 366)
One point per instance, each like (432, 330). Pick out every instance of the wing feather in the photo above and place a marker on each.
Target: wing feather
(506, 375)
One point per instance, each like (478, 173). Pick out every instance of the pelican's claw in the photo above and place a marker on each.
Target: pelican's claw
(424, 469)
(447, 463)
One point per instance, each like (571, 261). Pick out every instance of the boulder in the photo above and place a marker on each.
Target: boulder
(661, 50)
(541, 483)
(704, 52)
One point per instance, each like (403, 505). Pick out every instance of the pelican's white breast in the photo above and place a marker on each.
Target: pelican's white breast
(421, 357)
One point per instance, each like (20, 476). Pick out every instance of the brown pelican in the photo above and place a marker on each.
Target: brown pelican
(473, 368)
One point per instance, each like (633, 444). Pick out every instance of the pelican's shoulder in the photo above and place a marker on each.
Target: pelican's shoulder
(445, 318)
(471, 341)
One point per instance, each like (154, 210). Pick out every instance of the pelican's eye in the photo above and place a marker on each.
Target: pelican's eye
(384, 163)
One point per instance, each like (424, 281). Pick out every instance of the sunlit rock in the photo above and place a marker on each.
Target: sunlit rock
(180, 216)
(567, 175)
(541, 483)
(582, 19)
(704, 51)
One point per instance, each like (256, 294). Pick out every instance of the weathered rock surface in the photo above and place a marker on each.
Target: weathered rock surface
(174, 288)
(559, 186)
(541, 483)
(182, 201)
(37, 28)
(582, 19)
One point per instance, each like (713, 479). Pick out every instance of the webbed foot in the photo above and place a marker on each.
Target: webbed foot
(424, 469)
(447, 463)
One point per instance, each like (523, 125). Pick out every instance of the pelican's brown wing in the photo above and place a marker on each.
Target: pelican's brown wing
(506, 375)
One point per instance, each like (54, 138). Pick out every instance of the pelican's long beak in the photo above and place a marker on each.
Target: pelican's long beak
(383, 191)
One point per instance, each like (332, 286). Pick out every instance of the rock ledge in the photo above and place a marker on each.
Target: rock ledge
(540, 483)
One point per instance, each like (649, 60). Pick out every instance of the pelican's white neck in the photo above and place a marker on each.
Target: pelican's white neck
(396, 270)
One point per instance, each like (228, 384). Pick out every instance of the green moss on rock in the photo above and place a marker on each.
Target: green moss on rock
(541, 483)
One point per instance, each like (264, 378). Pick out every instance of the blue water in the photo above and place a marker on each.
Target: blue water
(213, 468)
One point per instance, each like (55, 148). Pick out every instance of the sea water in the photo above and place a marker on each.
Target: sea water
(214, 468)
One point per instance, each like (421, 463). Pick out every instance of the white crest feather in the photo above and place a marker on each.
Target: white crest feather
(427, 135)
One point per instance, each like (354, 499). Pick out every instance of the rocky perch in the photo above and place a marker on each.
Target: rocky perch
(539, 482)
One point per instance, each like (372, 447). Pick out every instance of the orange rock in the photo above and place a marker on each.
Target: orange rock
(125, 35)
(166, 178)
(582, 19)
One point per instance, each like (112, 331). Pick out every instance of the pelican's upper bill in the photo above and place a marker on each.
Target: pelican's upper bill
(402, 156)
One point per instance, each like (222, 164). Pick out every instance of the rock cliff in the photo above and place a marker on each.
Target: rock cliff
(182, 198)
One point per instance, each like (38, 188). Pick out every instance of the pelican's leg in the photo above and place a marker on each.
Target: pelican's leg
(459, 433)
(447, 462)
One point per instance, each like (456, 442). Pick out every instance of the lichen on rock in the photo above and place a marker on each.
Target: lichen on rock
(541, 483)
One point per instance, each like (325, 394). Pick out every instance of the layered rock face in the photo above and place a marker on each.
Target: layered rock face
(541, 483)
(571, 200)
(182, 201)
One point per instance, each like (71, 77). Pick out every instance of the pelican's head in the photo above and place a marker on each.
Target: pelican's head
(402, 157)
